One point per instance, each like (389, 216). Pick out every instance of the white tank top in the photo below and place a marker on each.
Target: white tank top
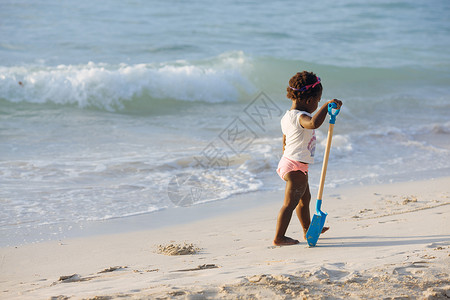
(300, 142)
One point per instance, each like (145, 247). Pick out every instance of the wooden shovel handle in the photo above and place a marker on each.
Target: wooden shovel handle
(325, 162)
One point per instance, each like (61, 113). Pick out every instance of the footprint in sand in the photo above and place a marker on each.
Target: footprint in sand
(112, 269)
(201, 267)
(73, 278)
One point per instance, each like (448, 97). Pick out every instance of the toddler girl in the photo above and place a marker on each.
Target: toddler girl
(299, 145)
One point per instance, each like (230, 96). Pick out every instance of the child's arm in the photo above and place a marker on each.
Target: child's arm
(284, 142)
(316, 121)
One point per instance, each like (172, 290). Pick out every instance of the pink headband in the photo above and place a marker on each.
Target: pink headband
(306, 87)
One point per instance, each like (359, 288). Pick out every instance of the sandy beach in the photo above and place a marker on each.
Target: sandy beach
(387, 241)
(139, 142)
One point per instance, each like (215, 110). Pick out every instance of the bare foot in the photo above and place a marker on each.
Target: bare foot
(324, 229)
(285, 241)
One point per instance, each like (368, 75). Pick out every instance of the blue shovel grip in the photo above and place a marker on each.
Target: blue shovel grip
(332, 106)
(318, 206)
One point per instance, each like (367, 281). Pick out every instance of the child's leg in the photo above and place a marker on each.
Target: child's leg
(302, 210)
(296, 184)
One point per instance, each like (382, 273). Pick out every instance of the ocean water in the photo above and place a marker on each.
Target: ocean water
(110, 111)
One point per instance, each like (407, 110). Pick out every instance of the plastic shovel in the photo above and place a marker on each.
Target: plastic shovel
(316, 226)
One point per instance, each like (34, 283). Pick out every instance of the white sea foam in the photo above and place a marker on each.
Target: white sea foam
(109, 87)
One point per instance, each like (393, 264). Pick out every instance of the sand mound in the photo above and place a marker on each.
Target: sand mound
(178, 249)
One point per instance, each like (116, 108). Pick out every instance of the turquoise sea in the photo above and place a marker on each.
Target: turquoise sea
(119, 108)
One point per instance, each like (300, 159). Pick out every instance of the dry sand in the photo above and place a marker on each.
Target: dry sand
(385, 242)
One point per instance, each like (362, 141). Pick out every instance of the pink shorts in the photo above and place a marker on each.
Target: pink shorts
(287, 165)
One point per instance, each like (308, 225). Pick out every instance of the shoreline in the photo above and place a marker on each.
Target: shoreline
(164, 217)
(390, 239)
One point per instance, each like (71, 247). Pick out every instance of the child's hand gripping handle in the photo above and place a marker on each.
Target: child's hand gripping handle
(331, 106)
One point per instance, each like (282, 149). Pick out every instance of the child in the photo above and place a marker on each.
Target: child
(299, 144)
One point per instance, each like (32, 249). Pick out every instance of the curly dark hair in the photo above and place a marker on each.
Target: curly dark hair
(300, 80)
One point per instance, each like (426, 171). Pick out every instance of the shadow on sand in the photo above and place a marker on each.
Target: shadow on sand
(382, 241)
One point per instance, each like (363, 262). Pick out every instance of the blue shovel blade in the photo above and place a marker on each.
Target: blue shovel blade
(315, 228)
